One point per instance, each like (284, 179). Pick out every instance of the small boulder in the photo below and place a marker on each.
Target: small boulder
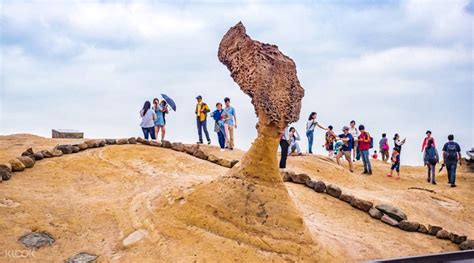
(457, 239)
(28, 152)
(202, 155)
(110, 141)
(388, 220)
(5, 171)
(310, 183)
(409, 225)
(140, 140)
(433, 230)
(222, 162)
(233, 163)
(392, 211)
(319, 186)
(300, 178)
(422, 229)
(166, 144)
(333, 190)
(27, 161)
(101, 143)
(287, 176)
(17, 165)
(82, 257)
(442, 234)
(346, 198)
(144, 142)
(467, 245)
(122, 141)
(132, 140)
(212, 158)
(361, 204)
(375, 213)
(75, 149)
(177, 146)
(47, 154)
(37, 239)
(65, 148)
(56, 153)
(155, 143)
(38, 156)
(82, 146)
(191, 148)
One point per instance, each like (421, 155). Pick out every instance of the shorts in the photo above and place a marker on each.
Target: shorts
(347, 155)
(329, 146)
(396, 166)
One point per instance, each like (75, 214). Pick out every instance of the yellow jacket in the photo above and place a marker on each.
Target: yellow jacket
(201, 111)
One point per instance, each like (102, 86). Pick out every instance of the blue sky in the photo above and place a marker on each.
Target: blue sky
(395, 66)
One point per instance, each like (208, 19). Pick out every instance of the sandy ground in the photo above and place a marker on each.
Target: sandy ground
(91, 201)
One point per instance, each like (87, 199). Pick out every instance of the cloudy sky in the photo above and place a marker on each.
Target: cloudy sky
(395, 66)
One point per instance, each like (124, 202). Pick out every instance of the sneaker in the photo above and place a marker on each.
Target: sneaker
(369, 173)
(428, 179)
(389, 175)
(231, 148)
(209, 142)
(433, 182)
(222, 150)
(453, 185)
(199, 143)
(365, 172)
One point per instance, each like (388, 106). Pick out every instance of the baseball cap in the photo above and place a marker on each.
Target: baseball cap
(199, 97)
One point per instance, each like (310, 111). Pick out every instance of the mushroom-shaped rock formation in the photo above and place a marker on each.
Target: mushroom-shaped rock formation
(246, 215)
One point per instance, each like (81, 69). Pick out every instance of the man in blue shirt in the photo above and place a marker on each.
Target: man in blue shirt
(230, 124)
(346, 148)
(451, 156)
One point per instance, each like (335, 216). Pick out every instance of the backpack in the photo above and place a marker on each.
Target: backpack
(431, 155)
(371, 142)
(451, 152)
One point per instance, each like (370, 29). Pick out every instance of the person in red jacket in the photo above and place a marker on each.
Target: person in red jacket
(425, 141)
(364, 146)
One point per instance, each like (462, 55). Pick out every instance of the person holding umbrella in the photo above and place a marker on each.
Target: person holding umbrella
(160, 109)
(201, 119)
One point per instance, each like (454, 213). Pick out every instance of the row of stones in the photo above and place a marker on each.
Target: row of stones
(28, 158)
(388, 214)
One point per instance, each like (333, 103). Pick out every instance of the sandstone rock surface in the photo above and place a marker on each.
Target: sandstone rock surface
(361, 204)
(16, 165)
(409, 225)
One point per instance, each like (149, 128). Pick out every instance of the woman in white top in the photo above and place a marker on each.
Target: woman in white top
(148, 121)
(310, 125)
(355, 134)
(293, 139)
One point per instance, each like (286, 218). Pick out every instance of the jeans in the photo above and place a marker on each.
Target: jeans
(294, 147)
(149, 131)
(202, 125)
(310, 135)
(284, 152)
(451, 168)
(431, 173)
(221, 138)
(366, 160)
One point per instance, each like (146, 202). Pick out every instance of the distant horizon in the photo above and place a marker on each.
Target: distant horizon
(395, 66)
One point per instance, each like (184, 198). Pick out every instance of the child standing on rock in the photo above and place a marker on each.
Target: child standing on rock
(395, 163)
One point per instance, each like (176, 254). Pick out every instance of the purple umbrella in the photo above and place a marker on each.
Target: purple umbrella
(170, 101)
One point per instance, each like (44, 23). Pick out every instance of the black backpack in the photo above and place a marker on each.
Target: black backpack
(451, 152)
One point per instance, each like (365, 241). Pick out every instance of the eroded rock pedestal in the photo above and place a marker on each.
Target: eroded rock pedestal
(247, 214)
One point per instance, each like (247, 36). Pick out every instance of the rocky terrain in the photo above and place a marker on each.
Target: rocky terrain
(103, 201)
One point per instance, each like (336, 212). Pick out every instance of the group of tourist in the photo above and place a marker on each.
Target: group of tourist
(354, 143)
(153, 119)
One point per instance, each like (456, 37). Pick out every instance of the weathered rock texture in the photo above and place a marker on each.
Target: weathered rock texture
(250, 205)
